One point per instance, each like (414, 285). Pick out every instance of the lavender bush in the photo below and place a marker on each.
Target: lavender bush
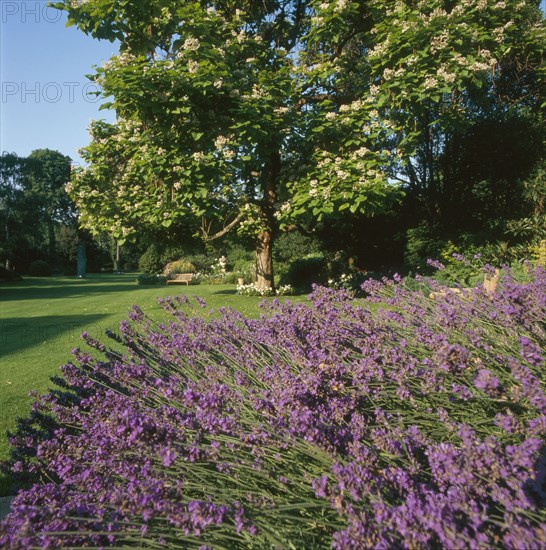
(400, 421)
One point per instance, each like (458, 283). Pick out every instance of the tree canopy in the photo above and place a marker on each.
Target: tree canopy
(277, 114)
(33, 203)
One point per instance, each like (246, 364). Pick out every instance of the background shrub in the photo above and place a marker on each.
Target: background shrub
(40, 268)
(7, 275)
(147, 279)
(238, 254)
(291, 247)
(422, 243)
(130, 256)
(245, 268)
(302, 273)
(539, 253)
(150, 262)
(231, 277)
(171, 253)
(219, 278)
(201, 262)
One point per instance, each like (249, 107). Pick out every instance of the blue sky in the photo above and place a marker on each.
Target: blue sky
(43, 85)
(42, 72)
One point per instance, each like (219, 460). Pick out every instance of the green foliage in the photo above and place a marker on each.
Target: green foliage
(40, 268)
(350, 281)
(530, 229)
(539, 253)
(230, 278)
(483, 168)
(11, 204)
(201, 262)
(422, 243)
(293, 246)
(462, 256)
(304, 272)
(159, 255)
(49, 172)
(171, 253)
(150, 262)
(217, 278)
(237, 253)
(463, 267)
(241, 262)
(245, 268)
(67, 242)
(147, 279)
(130, 256)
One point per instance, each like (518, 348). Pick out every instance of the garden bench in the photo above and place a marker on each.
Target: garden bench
(179, 278)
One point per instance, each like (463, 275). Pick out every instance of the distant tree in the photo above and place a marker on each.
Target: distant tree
(48, 174)
(33, 204)
(11, 194)
(67, 242)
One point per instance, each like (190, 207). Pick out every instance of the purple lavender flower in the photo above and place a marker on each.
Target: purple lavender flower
(487, 382)
(531, 352)
(399, 421)
(507, 422)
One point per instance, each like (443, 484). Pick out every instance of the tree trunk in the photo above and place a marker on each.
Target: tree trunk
(81, 260)
(8, 247)
(52, 241)
(264, 260)
(264, 241)
(117, 258)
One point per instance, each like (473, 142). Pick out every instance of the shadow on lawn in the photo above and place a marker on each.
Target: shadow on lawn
(66, 287)
(22, 332)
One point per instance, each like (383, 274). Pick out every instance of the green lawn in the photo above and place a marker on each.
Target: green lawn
(41, 320)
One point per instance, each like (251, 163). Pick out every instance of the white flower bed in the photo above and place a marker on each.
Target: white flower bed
(252, 290)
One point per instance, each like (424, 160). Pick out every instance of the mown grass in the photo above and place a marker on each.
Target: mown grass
(41, 320)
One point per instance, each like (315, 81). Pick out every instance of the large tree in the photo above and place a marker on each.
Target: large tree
(271, 114)
(11, 198)
(33, 205)
(48, 174)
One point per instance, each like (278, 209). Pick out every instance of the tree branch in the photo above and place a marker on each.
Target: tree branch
(318, 98)
(298, 227)
(227, 228)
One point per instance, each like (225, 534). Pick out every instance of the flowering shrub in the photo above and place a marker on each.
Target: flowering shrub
(252, 290)
(397, 422)
(286, 290)
(349, 282)
(539, 253)
(219, 267)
